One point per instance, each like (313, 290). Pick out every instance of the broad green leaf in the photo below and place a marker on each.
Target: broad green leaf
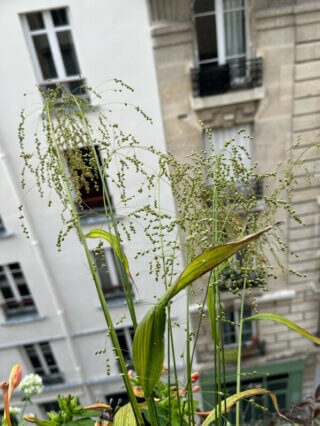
(112, 240)
(212, 258)
(229, 402)
(124, 416)
(148, 348)
(284, 321)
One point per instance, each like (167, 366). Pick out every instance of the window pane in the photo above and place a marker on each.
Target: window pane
(59, 17)
(231, 4)
(35, 21)
(207, 38)
(49, 357)
(34, 359)
(68, 53)
(123, 344)
(235, 37)
(204, 6)
(44, 54)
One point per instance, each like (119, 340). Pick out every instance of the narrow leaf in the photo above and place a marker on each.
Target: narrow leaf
(284, 321)
(124, 416)
(112, 240)
(229, 402)
(213, 257)
(148, 348)
(212, 316)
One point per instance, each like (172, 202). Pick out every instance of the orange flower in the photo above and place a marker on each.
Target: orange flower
(5, 387)
(8, 388)
(14, 379)
(97, 424)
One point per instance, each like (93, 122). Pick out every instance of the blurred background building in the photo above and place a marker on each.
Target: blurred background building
(232, 64)
(252, 64)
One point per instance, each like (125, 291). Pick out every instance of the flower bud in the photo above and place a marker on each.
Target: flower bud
(195, 376)
(138, 392)
(14, 379)
(196, 388)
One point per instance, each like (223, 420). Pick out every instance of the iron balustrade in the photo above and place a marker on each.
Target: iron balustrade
(236, 74)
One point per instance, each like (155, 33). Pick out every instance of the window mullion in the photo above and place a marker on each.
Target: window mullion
(220, 32)
(12, 283)
(42, 359)
(53, 42)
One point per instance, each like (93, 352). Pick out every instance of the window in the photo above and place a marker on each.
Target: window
(51, 46)
(85, 176)
(220, 30)
(14, 292)
(283, 378)
(231, 333)
(43, 363)
(220, 136)
(125, 336)
(109, 274)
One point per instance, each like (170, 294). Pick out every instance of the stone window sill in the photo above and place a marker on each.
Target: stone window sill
(23, 320)
(229, 98)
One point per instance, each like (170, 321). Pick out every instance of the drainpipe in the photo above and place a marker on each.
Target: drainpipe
(45, 268)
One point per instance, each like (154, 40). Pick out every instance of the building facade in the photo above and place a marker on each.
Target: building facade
(50, 319)
(252, 64)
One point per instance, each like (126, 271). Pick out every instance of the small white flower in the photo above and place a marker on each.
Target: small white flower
(31, 384)
(14, 411)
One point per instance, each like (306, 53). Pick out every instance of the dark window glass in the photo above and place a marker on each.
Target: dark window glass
(34, 359)
(204, 6)
(229, 331)
(59, 17)
(35, 21)
(48, 355)
(68, 53)
(247, 326)
(44, 54)
(207, 37)
(111, 284)
(123, 344)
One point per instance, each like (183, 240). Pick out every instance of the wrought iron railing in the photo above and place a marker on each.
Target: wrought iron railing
(237, 74)
(16, 308)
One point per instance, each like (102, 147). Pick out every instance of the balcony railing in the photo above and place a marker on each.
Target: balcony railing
(13, 308)
(237, 74)
(52, 379)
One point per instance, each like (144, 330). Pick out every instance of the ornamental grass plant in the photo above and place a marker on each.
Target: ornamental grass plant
(219, 213)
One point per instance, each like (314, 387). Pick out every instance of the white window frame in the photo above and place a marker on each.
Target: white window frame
(43, 361)
(50, 30)
(220, 28)
(13, 285)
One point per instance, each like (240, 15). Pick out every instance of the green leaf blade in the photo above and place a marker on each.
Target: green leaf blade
(124, 416)
(212, 258)
(148, 348)
(113, 241)
(282, 320)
